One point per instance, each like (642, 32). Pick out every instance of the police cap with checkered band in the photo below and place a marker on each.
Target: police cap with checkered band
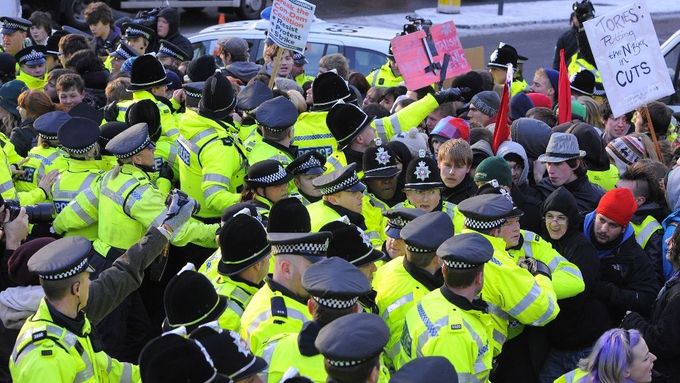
(49, 123)
(13, 24)
(62, 259)
(427, 232)
(130, 142)
(352, 340)
(465, 251)
(267, 173)
(398, 218)
(312, 246)
(133, 30)
(253, 95)
(33, 55)
(168, 49)
(486, 211)
(78, 135)
(193, 92)
(276, 115)
(310, 163)
(340, 179)
(335, 283)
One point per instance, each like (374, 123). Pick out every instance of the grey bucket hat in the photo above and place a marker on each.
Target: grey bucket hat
(561, 147)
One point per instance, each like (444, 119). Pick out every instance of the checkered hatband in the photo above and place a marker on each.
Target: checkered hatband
(311, 163)
(32, 55)
(164, 50)
(134, 32)
(192, 93)
(459, 265)
(123, 53)
(302, 248)
(81, 150)
(66, 274)
(345, 363)
(9, 24)
(136, 150)
(340, 186)
(476, 224)
(271, 178)
(414, 249)
(397, 222)
(336, 303)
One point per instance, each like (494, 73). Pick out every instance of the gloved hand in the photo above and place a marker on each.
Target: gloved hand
(451, 94)
(534, 266)
(179, 211)
(165, 171)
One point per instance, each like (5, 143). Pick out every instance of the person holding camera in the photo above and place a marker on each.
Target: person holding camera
(583, 59)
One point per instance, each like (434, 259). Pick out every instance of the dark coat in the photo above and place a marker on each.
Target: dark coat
(24, 137)
(628, 280)
(587, 194)
(464, 190)
(662, 330)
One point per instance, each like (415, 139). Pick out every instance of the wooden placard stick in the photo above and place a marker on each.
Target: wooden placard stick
(650, 126)
(275, 66)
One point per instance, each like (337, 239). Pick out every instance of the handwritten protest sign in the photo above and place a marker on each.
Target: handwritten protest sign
(628, 56)
(420, 66)
(290, 22)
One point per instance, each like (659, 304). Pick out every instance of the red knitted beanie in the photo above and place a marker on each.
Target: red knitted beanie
(618, 205)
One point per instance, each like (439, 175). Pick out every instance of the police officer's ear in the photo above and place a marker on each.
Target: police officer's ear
(311, 306)
(357, 308)
(375, 374)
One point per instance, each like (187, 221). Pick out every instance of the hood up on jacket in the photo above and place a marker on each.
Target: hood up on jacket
(511, 147)
(532, 134)
(172, 16)
(561, 200)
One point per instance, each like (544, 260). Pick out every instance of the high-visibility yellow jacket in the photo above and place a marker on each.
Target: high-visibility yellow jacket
(40, 161)
(169, 119)
(645, 230)
(383, 77)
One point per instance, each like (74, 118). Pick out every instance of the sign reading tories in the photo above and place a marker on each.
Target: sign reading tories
(290, 22)
(628, 56)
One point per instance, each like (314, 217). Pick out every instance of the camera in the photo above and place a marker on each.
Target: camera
(415, 24)
(583, 10)
(38, 213)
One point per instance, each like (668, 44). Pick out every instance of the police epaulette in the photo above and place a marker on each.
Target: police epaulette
(278, 307)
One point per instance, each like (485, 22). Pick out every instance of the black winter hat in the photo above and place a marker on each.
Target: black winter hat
(350, 243)
(471, 80)
(147, 72)
(583, 82)
(52, 45)
(346, 121)
(380, 162)
(422, 173)
(174, 358)
(8, 65)
(503, 55)
(191, 300)
(267, 173)
(327, 89)
(289, 215)
(201, 68)
(217, 100)
(243, 242)
(145, 111)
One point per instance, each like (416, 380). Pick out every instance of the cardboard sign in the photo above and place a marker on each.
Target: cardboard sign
(422, 66)
(290, 22)
(628, 56)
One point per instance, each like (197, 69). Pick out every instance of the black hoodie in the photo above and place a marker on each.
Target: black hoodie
(172, 15)
(583, 318)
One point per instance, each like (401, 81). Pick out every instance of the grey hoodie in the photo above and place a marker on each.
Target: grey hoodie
(508, 147)
(18, 303)
(673, 190)
(532, 134)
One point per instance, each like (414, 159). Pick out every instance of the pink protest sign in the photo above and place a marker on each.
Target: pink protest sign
(418, 68)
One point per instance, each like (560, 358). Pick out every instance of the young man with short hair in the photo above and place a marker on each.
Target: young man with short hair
(106, 34)
(454, 159)
(70, 91)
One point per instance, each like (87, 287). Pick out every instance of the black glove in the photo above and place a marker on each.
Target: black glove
(165, 171)
(534, 266)
(451, 94)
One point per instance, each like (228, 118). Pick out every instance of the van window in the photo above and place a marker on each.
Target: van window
(313, 54)
(673, 64)
(209, 47)
(364, 60)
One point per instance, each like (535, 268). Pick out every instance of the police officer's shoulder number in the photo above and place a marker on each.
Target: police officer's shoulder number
(228, 141)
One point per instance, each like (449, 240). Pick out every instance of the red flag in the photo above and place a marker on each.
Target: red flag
(563, 92)
(502, 131)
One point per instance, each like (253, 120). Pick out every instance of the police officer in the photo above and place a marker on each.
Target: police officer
(424, 186)
(138, 37)
(452, 318)
(171, 55)
(46, 155)
(78, 136)
(250, 97)
(148, 82)
(212, 163)
(14, 32)
(397, 218)
(381, 175)
(388, 75)
(304, 169)
(402, 282)
(266, 184)
(334, 286)
(126, 201)
(165, 160)
(280, 305)
(193, 91)
(498, 63)
(31, 61)
(298, 71)
(243, 265)
(276, 118)
(528, 295)
(351, 347)
(350, 126)
(116, 58)
(426, 369)
(106, 132)
(350, 243)
(55, 344)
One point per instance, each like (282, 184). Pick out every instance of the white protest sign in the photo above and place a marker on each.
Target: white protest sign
(290, 22)
(628, 56)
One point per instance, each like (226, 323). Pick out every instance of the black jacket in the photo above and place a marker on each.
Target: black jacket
(568, 42)
(582, 318)
(464, 190)
(662, 330)
(653, 246)
(24, 137)
(628, 280)
(587, 194)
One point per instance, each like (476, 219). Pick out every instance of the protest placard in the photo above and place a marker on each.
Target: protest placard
(290, 23)
(628, 56)
(421, 66)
